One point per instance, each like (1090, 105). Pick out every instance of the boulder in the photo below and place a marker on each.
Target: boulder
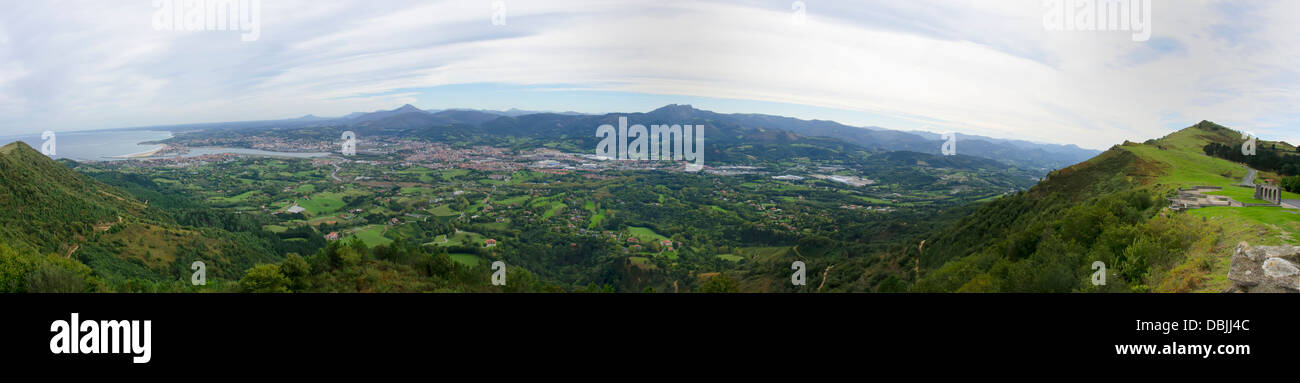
(1265, 269)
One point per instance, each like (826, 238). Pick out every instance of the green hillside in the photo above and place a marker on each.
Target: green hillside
(1112, 209)
(48, 207)
(57, 225)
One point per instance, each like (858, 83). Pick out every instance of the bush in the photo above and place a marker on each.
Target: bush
(264, 279)
(54, 279)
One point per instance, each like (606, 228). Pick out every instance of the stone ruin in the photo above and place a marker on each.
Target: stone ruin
(1265, 269)
(1198, 197)
(1270, 193)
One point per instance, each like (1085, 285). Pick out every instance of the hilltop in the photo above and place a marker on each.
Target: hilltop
(1111, 208)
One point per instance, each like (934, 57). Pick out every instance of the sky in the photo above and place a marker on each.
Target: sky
(993, 68)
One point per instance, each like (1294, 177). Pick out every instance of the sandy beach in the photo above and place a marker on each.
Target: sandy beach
(150, 153)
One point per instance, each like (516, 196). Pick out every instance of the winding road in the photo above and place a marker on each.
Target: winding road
(1249, 181)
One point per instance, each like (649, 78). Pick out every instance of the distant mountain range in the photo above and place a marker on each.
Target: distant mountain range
(722, 128)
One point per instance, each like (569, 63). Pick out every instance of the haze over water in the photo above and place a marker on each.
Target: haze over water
(102, 145)
(113, 145)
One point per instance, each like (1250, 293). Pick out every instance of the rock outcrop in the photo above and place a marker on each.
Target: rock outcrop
(1265, 269)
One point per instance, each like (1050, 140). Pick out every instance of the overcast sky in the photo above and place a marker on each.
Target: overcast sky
(976, 67)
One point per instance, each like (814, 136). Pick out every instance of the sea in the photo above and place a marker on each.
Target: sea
(116, 145)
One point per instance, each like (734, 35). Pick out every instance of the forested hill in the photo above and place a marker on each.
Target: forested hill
(49, 207)
(1112, 209)
(55, 221)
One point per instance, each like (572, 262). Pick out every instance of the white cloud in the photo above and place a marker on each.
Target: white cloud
(973, 67)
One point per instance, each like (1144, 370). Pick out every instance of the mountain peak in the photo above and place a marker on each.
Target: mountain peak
(675, 108)
(408, 108)
(16, 145)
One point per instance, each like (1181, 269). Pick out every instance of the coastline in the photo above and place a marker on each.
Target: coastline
(149, 153)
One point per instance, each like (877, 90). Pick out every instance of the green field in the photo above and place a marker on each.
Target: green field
(463, 238)
(322, 203)
(373, 236)
(470, 260)
(1240, 193)
(449, 174)
(764, 254)
(1192, 168)
(520, 200)
(243, 197)
(418, 191)
(730, 257)
(645, 234)
(443, 211)
(555, 208)
(1285, 220)
(421, 173)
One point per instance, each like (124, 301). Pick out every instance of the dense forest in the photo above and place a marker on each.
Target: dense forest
(1269, 158)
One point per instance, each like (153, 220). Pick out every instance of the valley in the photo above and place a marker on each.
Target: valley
(430, 209)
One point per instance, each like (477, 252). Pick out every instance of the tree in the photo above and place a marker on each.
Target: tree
(296, 269)
(720, 283)
(1291, 184)
(264, 279)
